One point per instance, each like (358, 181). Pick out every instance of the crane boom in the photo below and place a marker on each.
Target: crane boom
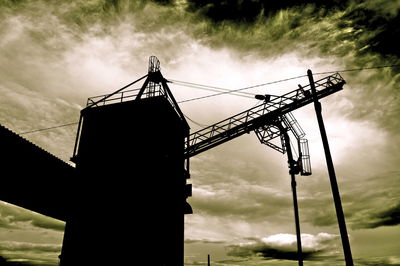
(260, 115)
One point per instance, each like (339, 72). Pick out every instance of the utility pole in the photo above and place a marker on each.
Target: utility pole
(292, 172)
(332, 176)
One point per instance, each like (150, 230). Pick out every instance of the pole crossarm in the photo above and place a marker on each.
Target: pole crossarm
(260, 115)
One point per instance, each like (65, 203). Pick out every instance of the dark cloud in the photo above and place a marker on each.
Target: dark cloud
(249, 10)
(203, 241)
(390, 216)
(360, 28)
(4, 262)
(165, 2)
(49, 224)
(283, 246)
(11, 217)
(376, 205)
(386, 217)
(376, 26)
(370, 205)
(243, 11)
(267, 252)
(379, 261)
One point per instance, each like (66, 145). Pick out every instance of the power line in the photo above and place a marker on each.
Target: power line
(241, 89)
(48, 128)
(210, 88)
(226, 91)
(356, 69)
(213, 88)
(282, 80)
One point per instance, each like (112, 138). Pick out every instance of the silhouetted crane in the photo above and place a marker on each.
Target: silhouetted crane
(127, 122)
(270, 120)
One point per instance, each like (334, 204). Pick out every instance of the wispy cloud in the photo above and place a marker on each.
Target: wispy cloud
(27, 253)
(28, 247)
(379, 261)
(203, 241)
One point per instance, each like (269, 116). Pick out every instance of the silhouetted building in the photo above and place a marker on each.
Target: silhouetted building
(33, 178)
(131, 181)
(124, 202)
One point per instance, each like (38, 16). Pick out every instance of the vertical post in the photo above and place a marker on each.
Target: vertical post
(78, 133)
(208, 260)
(187, 158)
(292, 173)
(332, 176)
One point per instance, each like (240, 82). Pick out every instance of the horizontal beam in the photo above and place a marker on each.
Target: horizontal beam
(258, 116)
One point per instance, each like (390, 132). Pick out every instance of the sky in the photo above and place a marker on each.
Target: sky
(56, 54)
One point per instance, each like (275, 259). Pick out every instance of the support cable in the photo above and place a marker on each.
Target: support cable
(48, 128)
(241, 89)
(207, 87)
(231, 91)
(278, 81)
(196, 123)
(356, 69)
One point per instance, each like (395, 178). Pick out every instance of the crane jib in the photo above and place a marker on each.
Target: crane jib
(259, 116)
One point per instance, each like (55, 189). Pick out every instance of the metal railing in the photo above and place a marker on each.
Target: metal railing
(255, 117)
(114, 98)
(124, 96)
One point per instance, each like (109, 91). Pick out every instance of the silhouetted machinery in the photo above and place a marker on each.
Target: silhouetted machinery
(126, 202)
(134, 146)
(270, 120)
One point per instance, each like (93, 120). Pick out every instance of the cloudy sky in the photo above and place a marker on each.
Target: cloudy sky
(56, 54)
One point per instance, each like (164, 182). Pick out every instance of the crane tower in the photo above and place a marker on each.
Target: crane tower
(130, 194)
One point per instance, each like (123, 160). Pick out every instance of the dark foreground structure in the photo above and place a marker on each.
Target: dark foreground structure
(125, 201)
(33, 178)
(131, 184)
